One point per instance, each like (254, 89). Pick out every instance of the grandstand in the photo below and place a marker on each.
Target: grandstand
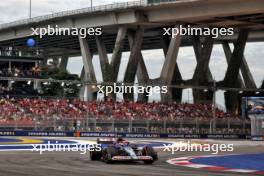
(62, 114)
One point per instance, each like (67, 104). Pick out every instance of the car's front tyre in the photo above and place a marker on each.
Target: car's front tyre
(149, 151)
(95, 155)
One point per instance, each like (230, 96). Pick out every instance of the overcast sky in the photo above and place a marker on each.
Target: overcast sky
(11, 10)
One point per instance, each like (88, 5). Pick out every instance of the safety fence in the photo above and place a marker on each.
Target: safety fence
(175, 126)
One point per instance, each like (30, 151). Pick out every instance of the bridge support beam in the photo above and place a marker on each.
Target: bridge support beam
(202, 74)
(197, 46)
(176, 94)
(228, 54)
(103, 58)
(110, 70)
(105, 65)
(166, 76)
(142, 73)
(247, 75)
(143, 77)
(117, 52)
(89, 75)
(232, 73)
(133, 60)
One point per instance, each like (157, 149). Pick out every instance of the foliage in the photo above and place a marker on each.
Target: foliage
(59, 89)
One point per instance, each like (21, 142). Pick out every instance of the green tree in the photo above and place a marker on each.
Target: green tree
(59, 89)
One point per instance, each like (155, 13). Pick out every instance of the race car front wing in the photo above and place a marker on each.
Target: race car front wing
(130, 158)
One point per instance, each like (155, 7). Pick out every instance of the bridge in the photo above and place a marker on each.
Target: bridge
(139, 25)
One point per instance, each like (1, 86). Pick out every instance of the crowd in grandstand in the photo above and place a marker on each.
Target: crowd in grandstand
(64, 108)
(29, 111)
(152, 111)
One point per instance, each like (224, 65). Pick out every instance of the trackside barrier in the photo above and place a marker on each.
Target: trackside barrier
(125, 135)
(257, 138)
(37, 133)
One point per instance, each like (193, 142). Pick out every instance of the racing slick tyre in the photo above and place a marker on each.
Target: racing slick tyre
(149, 151)
(108, 153)
(95, 155)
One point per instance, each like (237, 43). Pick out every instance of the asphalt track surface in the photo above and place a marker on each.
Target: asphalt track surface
(27, 163)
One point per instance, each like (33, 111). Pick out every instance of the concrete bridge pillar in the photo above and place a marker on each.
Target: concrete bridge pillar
(202, 74)
(143, 77)
(110, 70)
(103, 58)
(197, 46)
(167, 72)
(247, 75)
(230, 80)
(176, 93)
(228, 54)
(117, 52)
(104, 63)
(142, 73)
(133, 61)
(88, 91)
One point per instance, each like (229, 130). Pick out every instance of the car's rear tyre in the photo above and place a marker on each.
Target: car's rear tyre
(108, 154)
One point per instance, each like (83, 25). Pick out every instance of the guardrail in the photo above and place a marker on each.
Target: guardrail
(178, 126)
(101, 8)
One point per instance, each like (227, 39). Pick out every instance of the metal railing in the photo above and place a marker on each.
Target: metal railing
(89, 124)
(101, 8)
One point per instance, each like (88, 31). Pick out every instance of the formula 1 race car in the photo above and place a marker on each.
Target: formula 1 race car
(121, 150)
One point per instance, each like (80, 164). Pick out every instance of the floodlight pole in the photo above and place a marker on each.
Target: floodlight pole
(243, 108)
(29, 9)
(188, 95)
(214, 106)
(91, 4)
